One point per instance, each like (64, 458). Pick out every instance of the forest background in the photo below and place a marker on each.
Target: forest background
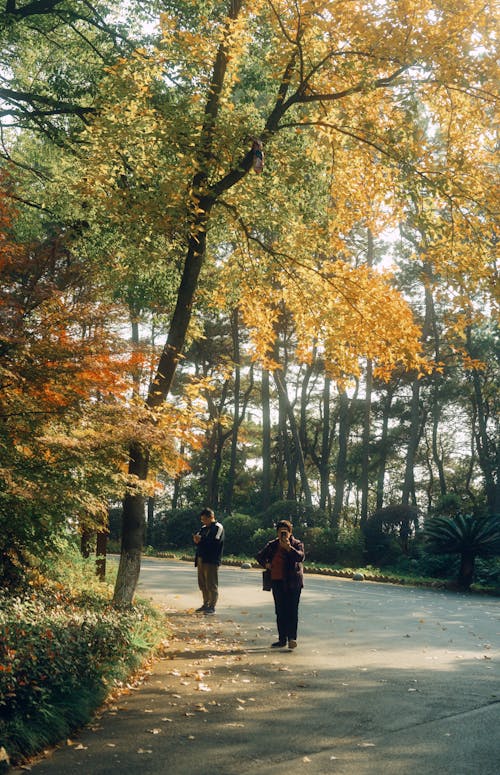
(331, 322)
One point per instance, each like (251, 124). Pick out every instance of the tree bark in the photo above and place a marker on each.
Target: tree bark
(324, 468)
(341, 466)
(266, 440)
(101, 550)
(365, 453)
(299, 455)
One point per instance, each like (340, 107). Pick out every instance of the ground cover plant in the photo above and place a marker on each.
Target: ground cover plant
(63, 648)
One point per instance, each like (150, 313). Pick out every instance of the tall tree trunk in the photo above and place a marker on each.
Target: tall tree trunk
(151, 520)
(235, 335)
(408, 487)
(133, 522)
(341, 465)
(382, 461)
(100, 552)
(365, 444)
(324, 469)
(176, 494)
(436, 456)
(488, 451)
(299, 455)
(266, 440)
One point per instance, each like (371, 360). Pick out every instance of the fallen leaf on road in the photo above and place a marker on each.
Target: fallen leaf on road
(154, 731)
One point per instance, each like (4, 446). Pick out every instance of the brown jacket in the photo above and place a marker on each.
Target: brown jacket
(294, 571)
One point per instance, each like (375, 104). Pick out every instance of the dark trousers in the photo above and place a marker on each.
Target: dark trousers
(286, 605)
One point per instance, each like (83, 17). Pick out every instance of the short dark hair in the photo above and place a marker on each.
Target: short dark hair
(207, 513)
(284, 523)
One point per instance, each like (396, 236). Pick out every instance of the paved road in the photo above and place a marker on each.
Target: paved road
(386, 680)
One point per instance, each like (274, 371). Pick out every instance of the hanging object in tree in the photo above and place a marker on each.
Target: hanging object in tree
(258, 156)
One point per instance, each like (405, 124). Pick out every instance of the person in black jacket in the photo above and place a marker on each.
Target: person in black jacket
(284, 557)
(209, 542)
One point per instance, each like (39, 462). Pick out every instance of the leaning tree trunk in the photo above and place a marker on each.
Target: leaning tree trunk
(203, 199)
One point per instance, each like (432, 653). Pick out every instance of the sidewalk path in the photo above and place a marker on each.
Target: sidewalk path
(386, 681)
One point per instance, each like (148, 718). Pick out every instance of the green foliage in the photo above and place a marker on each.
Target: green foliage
(261, 538)
(239, 530)
(62, 645)
(299, 514)
(464, 533)
(174, 529)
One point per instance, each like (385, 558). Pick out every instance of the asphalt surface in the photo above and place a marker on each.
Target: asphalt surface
(386, 680)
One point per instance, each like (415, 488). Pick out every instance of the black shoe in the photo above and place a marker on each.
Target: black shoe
(280, 644)
(209, 610)
(201, 609)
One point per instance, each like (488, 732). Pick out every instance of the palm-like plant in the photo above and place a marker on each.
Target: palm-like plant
(466, 535)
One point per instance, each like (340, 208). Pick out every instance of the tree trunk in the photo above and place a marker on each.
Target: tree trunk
(299, 455)
(414, 437)
(382, 463)
(203, 197)
(177, 483)
(365, 452)
(341, 466)
(488, 452)
(151, 520)
(324, 470)
(85, 541)
(101, 550)
(266, 440)
(235, 334)
(466, 572)
(133, 524)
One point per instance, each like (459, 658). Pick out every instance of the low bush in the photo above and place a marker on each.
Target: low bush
(61, 649)
(238, 532)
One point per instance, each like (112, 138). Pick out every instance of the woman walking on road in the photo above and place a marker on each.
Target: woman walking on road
(284, 557)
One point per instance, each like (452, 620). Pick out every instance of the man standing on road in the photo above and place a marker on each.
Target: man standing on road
(209, 542)
(284, 557)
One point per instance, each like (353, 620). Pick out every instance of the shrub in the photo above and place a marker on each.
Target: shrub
(300, 515)
(239, 530)
(320, 544)
(59, 652)
(261, 537)
(174, 529)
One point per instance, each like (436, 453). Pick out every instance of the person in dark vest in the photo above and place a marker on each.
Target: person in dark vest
(209, 542)
(284, 557)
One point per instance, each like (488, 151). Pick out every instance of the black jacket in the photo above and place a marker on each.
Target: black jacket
(294, 571)
(211, 545)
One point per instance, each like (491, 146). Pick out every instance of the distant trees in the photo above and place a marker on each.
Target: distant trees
(328, 381)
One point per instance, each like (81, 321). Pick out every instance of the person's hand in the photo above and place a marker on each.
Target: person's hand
(285, 543)
(268, 566)
(196, 538)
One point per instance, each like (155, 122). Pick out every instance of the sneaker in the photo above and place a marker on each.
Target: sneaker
(292, 644)
(201, 608)
(280, 644)
(209, 610)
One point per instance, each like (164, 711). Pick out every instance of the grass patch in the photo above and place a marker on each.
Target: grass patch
(63, 648)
